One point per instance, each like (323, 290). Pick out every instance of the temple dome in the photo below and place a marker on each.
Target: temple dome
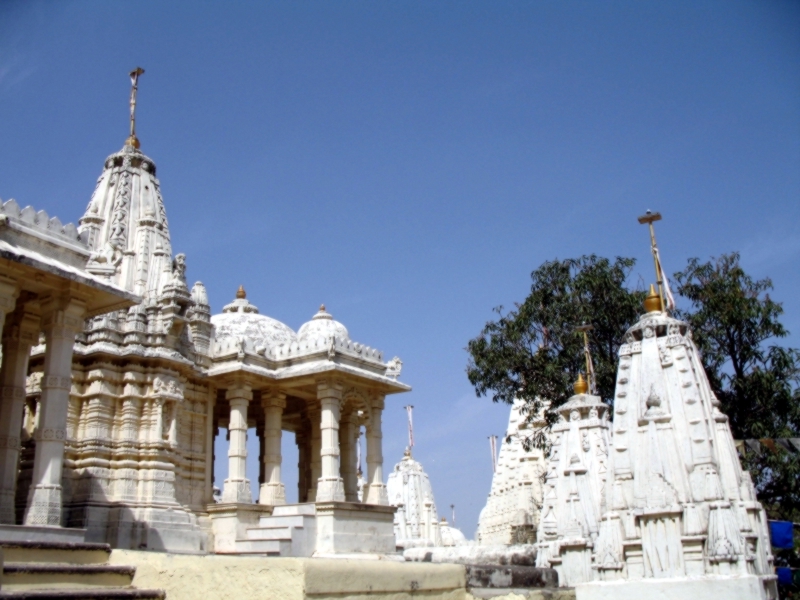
(322, 328)
(240, 319)
(451, 536)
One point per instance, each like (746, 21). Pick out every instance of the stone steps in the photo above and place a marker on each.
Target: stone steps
(85, 594)
(49, 576)
(264, 547)
(66, 570)
(270, 533)
(309, 509)
(284, 533)
(281, 521)
(55, 552)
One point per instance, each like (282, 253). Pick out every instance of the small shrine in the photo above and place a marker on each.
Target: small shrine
(574, 485)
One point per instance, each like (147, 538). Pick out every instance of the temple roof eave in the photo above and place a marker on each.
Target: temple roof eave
(101, 296)
(287, 374)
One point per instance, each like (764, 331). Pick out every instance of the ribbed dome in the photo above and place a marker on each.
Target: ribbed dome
(240, 319)
(321, 328)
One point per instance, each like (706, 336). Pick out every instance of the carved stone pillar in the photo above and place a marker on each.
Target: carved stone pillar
(174, 414)
(330, 486)
(20, 334)
(376, 492)
(157, 421)
(237, 486)
(9, 291)
(272, 490)
(62, 319)
(347, 441)
(126, 484)
(314, 447)
(211, 431)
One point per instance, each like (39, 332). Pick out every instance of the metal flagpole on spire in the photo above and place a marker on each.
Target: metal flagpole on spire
(453, 512)
(585, 329)
(132, 139)
(410, 409)
(667, 299)
(493, 450)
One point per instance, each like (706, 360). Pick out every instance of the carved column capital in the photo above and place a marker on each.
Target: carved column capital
(330, 387)
(273, 398)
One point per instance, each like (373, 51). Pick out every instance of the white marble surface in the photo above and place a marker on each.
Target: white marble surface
(516, 492)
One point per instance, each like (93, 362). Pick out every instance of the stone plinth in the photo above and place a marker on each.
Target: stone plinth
(741, 587)
(348, 527)
(230, 521)
(255, 578)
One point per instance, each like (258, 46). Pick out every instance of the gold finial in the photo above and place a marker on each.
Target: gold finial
(240, 293)
(650, 218)
(590, 380)
(580, 386)
(321, 308)
(132, 139)
(653, 301)
(407, 453)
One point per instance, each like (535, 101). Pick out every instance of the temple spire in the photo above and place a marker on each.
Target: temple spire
(132, 139)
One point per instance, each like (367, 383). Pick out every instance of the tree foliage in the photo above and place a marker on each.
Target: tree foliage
(735, 325)
(534, 351)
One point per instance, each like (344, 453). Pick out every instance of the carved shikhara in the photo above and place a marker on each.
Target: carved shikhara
(148, 386)
(669, 498)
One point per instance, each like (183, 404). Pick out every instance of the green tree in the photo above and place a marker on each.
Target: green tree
(534, 351)
(735, 325)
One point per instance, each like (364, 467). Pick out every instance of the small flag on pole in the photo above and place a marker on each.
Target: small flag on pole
(493, 450)
(669, 298)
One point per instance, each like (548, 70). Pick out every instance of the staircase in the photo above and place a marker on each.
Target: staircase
(47, 570)
(290, 531)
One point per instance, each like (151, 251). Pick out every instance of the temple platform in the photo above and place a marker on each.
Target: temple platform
(185, 577)
(741, 587)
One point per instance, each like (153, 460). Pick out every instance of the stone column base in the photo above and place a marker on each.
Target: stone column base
(330, 490)
(272, 494)
(376, 494)
(237, 491)
(742, 587)
(352, 528)
(44, 506)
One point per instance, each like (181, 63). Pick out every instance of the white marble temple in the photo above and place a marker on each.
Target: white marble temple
(681, 515)
(148, 388)
(511, 513)
(416, 520)
(573, 493)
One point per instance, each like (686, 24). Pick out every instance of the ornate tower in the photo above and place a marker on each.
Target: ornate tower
(511, 513)
(574, 484)
(136, 450)
(680, 509)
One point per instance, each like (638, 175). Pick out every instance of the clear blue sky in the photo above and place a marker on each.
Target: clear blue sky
(410, 163)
